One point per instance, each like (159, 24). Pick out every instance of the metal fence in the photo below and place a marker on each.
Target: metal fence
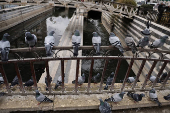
(112, 87)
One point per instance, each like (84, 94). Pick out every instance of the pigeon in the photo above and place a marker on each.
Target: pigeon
(46, 82)
(153, 96)
(96, 78)
(146, 32)
(135, 97)
(131, 43)
(49, 43)
(114, 40)
(1, 79)
(109, 81)
(163, 76)
(76, 40)
(30, 39)
(116, 97)
(159, 42)
(152, 79)
(81, 80)
(148, 24)
(167, 97)
(59, 82)
(130, 79)
(104, 107)
(4, 47)
(41, 98)
(143, 42)
(29, 83)
(2, 94)
(14, 81)
(96, 40)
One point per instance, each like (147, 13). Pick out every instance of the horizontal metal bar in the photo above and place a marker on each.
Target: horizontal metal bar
(82, 57)
(85, 48)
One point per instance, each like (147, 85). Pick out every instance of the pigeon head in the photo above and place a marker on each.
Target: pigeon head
(98, 74)
(5, 37)
(48, 49)
(112, 74)
(51, 33)
(163, 39)
(112, 34)
(0, 75)
(121, 94)
(142, 95)
(101, 102)
(95, 34)
(152, 91)
(29, 36)
(146, 32)
(146, 38)
(76, 33)
(37, 92)
(165, 74)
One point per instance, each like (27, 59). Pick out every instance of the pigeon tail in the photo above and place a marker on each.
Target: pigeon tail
(150, 45)
(130, 94)
(76, 48)
(109, 99)
(48, 100)
(157, 101)
(166, 98)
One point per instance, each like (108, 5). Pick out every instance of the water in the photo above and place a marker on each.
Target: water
(56, 20)
(94, 24)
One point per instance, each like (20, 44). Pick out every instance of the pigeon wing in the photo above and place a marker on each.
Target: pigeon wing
(49, 40)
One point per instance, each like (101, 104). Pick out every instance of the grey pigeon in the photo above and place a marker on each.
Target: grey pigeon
(14, 81)
(159, 42)
(148, 24)
(163, 76)
(81, 80)
(153, 96)
(167, 97)
(96, 78)
(30, 39)
(135, 97)
(114, 40)
(4, 47)
(109, 81)
(96, 40)
(42, 98)
(143, 42)
(76, 40)
(130, 79)
(153, 78)
(116, 97)
(29, 83)
(104, 107)
(146, 32)
(46, 82)
(49, 43)
(59, 82)
(1, 79)
(131, 43)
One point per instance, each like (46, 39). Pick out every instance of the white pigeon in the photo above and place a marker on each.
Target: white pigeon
(116, 97)
(81, 80)
(153, 78)
(42, 98)
(131, 79)
(131, 43)
(153, 96)
(30, 39)
(159, 42)
(49, 43)
(76, 40)
(1, 79)
(96, 40)
(4, 47)
(114, 40)
(59, 82)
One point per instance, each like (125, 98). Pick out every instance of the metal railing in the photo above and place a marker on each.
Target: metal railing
(112, 87)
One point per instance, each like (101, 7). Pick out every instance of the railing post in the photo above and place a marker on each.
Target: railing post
(76, 80)
(19, 77)
(62, 74)
(159, 74)
(149, 74)
(48, 76)
(127, 74)
(90, 75)
(33, 75)
(5, 78)
(163, 84)
(116, 72)
(138, 75)
(103, 73)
